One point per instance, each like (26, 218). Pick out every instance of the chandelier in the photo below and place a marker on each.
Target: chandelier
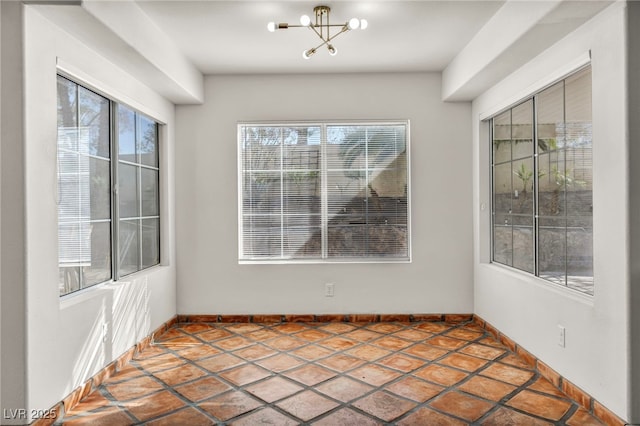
(322, 27)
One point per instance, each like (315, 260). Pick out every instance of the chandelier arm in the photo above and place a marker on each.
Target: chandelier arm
(344, 30)
(325, 42)
(322, 27)
(328, 27)
(321, 44)
(313, 27)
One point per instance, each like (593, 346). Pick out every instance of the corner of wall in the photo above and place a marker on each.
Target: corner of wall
(12, 243)
(633, 111)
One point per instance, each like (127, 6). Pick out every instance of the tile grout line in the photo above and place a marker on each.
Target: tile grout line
(404, 374)
(606, 415)
(339, 374)
(355, 320)
(294, 334)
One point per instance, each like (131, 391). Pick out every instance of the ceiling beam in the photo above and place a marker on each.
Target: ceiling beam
(517, 32)
(177, 78)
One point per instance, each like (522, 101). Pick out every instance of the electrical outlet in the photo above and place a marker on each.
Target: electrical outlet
(561, 336)
(329, 289)
(105, 330)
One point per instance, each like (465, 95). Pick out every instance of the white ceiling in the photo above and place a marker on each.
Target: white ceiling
(221, 37)
(171, 45)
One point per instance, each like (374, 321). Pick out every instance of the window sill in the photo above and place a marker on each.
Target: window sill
(98, 290)
(318, 261)
(527, 278)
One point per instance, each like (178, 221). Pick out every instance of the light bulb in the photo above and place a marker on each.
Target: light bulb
(354, 23)
(363, 24)
(305, 20)
(307, 53)
(271, 26)
(332, 50)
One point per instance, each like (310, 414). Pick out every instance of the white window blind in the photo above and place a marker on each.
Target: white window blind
(324, 192)
(84, 209)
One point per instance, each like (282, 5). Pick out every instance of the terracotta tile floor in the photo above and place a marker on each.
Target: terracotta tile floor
(327, 374)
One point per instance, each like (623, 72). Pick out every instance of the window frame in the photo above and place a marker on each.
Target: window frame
(323, 124)
(114, 184)
(139, 166)
(536, 152)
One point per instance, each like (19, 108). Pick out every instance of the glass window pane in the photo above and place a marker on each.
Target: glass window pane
(580, 254)
(366, 185)
(551, 119)
(302, 192)
(578, 104)
(100, 188)
(84, 187)
(522, 198)
(149, 189)
(262, 236)
(261, 148)
(552, 249)
(128, 191)
(301, 148)
(561, 241)
(147, 141)
(302, 237)
(387, 240)
(129, 248)
(262, 193)
(346, 148)
(503, 239)
(150, 242)
(578, 183)
(522, 130)
(384, 145)
(67, 114)
(127, 134)
(302, 157)
(502, 137)
(347, 240)
(69, 193)
(346, 196)
(93, 116)
(579, 163)
(69, 256)
(523, 247)
(97, 268)
(69, 279)
(551, 184)
(503, 188)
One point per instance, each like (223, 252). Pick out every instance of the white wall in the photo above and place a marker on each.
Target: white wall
(633, 57)
(64, 336)
(210, 279)
(528, 309)
(12, 256)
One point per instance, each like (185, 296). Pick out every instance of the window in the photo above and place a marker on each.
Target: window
(324, 192)
(542, 204)
(138, 177)
(89, 212)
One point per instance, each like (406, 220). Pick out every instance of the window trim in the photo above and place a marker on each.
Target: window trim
(324, 215)
(114, 161)
(531, 94)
